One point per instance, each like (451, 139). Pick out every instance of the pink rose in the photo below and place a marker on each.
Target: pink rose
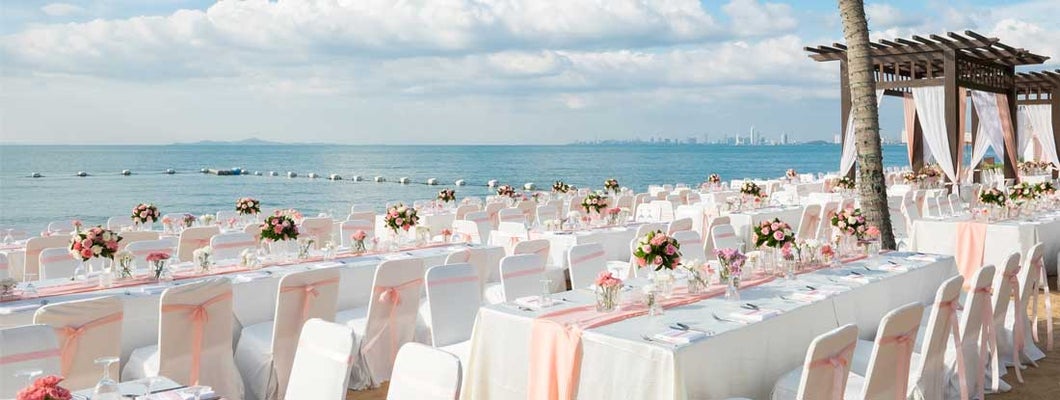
(277, 229)
(399, 221)
(86, 253)
(778, 235)
(765, 230)
(670, 250)
(641, 262)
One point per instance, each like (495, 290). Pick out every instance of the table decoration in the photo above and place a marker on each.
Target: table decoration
(560, 187)
(932, 176)
(357, 242)
(7, 286)
(94, 243)
(189, 220)
(144, 214)
(447, 196)
(844, 184)
(696, 276)
(248, 258)
(593, 203)
(248, 206)
(771, 236)
(731, 261)
(870, 241)
(751, 194)
(45, 388)
(614, 215)
(913, 179)
(207, 219)
(849, 224)
(994, 200)
(611, 186)
(159, 261)
(278, 230)
(792, 175)
(124, 259)
(662, 254)
(713, 182)
(1029, 168)
(447, 234)
(505, 191)
(304, 245)
(607, 287)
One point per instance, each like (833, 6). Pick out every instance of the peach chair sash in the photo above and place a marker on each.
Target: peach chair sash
(198, 315)
(311, 293)
(904, 341)
(838, 363)
(1043, 283)
(950, 307)
(86, 329)
(391, 297)
(987, 341)
(71, 337)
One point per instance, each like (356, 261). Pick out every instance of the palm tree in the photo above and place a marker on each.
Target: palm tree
(873, 188)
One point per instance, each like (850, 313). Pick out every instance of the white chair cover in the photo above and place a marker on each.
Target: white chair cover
(322, 362)
(424, 373)
(56, 263)
(365, 215)
(117, 223)
(977, 337)
(228, 246)
(482, 222)
(26, 347)
(1005, 286)
(678, 225)
(356, 208)
(136, 236)
(467, 232)
(140, 250)
(887, 376)
(227, 217)
(824, 229)
(265, 352)
(541, 247)
(808, 225)
(319, 229)
(492, 211)
(462, 210)
(546, 213)
(5, 271)
(826, 372)
(513, 229)
(930, 374)
(349, 227)
(1017, 334)
(691, 246)
(665, 208)
(708, 240)
(87, 329)
(388, 322)
(586, 261)
(34, 246)
(65, 226)
(453, 297)
(511, 215)
(520, 277)
(194, 238)
(725, 237)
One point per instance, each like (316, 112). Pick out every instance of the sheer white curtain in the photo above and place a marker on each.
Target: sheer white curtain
(1039, 117)
(990, 134)
(931, 107)
(1026, 137)
(846, 162)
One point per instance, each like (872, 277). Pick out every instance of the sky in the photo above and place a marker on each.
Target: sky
(449, 71)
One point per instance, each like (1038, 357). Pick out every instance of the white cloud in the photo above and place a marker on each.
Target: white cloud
(62, 9)
(887, 16)
(751, 18)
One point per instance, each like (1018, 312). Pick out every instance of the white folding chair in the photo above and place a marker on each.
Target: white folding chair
(26, 348)
(724, 237)
(1005, 286)
(678, 225)
(117, 223)
(229, 246)
(56, 263)
(424, 373)
(492, 212)
(956, 205)
(520, 277)
(665, 208)
(137, 236)
(511, 215)
(194, 339)
(351, 226)
(453, 299)
(708, 236)
(34, 246)
(141, 249)
(482, 222)
(691, 246)
(825, 374)
(824, 230)
(586, 261)
(887, 376)
(265, 351)
(808, 225)
(322, 362)
(194, 238)
(462, 211)
(977, 338)
(546, 213)
(1017, 338)
(932, 208)
(388, 321)
(318, 229)
(66, 226)
(87, 329)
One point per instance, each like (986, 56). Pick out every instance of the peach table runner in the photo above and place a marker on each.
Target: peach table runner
(971, 237)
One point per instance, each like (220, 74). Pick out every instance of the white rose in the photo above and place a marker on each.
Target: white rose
(97, 249)
(106, 236)
(852, 220)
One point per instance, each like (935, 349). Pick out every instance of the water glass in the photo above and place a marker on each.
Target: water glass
(107, 388)
(546, 293)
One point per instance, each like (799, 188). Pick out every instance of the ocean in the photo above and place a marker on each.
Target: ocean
(30, 203)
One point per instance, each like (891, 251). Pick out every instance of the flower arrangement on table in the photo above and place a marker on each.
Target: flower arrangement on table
(506, 191)
(295, 215)
(207, 219)
(248, 206)
(1045, 188)
(124, 260)
(94, 242)
(279, 226)
(849, 222)
(992, 197)
(1023, 192)
(775, 234)
(77, 225)
(594, 202)
(45, 388)
(203, 258)
(357, 238)
(145, 214)
(791, 174)
(752, 193)
(560, 187)
(158, 260)
(658, 250)
(845, 183)
(932, 174)
(447, 196)
(698, 276)
(189, 220)
(732, 261)
(607, 288)
(912, 178)
(714, 179)
(611, 186)
(613, 214)
(1034, 167)
(304, 246)
(400, 217)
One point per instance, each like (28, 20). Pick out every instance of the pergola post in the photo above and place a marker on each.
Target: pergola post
(918, 144)
(976, 175)
(1010, 170)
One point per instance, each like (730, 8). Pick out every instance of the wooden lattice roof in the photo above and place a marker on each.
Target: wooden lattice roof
(921, 49)
(1037, 82)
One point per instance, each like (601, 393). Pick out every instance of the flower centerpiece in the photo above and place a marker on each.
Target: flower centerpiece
(124, 259)
(731, 261)
(1045, 188)
(447, 234)
(447, 196)
(912, 178)
(94, 242)
(45, 388)
(932, 175)
(773, 234)
(248, 206)
(611, 186)
(845, 183)
(992, 197)
(77, 225)
(613, 215)
(158, 260)
(791, 174)
(751, 192)
(304, 245)
(850, 224)
(658, 251)
(278, 227)
(698, 277)
(506, 191)
(400, 217)
(207, 219)
(1030, 168)
(560, 187)
(357, 241)
(189, 220)
(607, 288)
(714, 180)
(871, 240)
(202, 257)
(145, 214)
(593, 203)
(1022, 192)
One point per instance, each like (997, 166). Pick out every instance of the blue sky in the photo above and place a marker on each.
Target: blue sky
(447, 71)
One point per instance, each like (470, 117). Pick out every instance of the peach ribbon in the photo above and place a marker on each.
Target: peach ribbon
(229, 245)
(72, 335)
(516, 274)
(391, 296)
(1043, 283)
(29, 356)
(452, 280)
(1009, 134)
(587, 257)
(310, 290)
(837, 362)
(971, 237)
(950, 307)
(199, 317)
(904, 341)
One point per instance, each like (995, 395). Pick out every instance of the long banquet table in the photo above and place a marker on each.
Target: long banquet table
(1002, 237)
(254, 292)
(738, 360)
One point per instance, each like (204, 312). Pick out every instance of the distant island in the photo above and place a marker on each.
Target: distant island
(244, 142)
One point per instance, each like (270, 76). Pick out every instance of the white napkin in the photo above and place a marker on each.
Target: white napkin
(534, 302)
(922, 257)
(893, 267)
(812, 296)
(861, 279)
(182, 395)
(759, 315)
(153, 289)
(674, 336)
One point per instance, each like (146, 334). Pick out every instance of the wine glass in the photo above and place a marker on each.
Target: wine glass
(29, 291)
(107, 388)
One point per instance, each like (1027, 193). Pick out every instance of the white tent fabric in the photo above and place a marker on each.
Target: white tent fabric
(931, 106)
(1038, 118)
(1026, 147)
(846, 162)
(990, 134)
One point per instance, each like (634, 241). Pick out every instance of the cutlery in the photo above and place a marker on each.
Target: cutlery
(682, 327)
(855, 273)
(750, 306)
(724, 319)
(811, 287)
(654, 340)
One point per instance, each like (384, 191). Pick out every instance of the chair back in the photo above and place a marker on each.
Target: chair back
(362, 216)
(300, 296)
(692, 197)
(666, 210)
(521, 275)
(824, 229)
(322, 361)
(141, 249)
(678, 225)
(625, 201)
(808, 225)
(529, 209)
(1006, 284)
(894, 209)
(932, 207)
(194, 238)
(136, 236)
(351, 226)
(34, 246)
(65, 226)
(228, 246)
(466, 231)
(586, 261)
(492, 210)
(318, 229)
(195, 336)
(708, 239)
(512, 214)
(724, 237)
(930, 375)
(540, 247)
(975, 317)
(546, 213)
(392, 314)
(675, 200)
(956, 205)
(87, 329)
(26, 348)
(462, 210)
(358, 208)
(454, 296)
(482, 222)
(5, 272)
(116, 223)
(691, 245)
(227, 218)
(827, 365)
(424, 373)
(57, 262)
(888, 373)
(1030, 274)
(253, 230)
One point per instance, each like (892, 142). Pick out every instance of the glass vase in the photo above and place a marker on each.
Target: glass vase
(606, 299)
(732, 288)
(664, 281)
(696, 285)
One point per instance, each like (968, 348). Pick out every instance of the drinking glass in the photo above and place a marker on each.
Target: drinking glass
(29, 374)
(8, 238)
(29, 290)
(107, 388)
(546, 293)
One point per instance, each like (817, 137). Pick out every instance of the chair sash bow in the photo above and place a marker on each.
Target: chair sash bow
(310, 290)
(837, 362)
(199, 316)
(72, 336)
(950, 307)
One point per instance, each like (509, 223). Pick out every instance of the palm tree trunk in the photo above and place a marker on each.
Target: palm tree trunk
(873, 187)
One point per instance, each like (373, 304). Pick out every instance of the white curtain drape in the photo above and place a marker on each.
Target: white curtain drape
(846, 162)
(989, 134)
(1040, 120)
(931, 107)
(1023, 126)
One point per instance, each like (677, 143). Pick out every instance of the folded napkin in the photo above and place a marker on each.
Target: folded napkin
(534, 302)
(8, 310)
(206, 394)
(893, 267)
(812, 296)
(748, 316)
(922, 257)
(861, 279)
(674, 336)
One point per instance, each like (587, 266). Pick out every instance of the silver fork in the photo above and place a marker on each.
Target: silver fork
(654, 340)
(724, 319)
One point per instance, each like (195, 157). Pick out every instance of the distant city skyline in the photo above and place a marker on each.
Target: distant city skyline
(460, 72)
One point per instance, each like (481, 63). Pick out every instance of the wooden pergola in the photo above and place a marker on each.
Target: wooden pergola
(954, 61)
(1041, 87)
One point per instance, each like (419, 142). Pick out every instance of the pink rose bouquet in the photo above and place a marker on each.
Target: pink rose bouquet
(611, 186)
(506, 191)
(750, 189)
(248, 206)
(594, 202)
(845, 183)
(658, 251)
(77, 225)
(158, 261)
(358, 241)
(714, 179)
(145, 213)
(94, 242)
(400, 217)
(45, 388)
(731, 261)
(189, 220)
(850, 222)
(775, 234)
(447, 195)
(607, 287)
(560, 187)
(791, 173)
(279, 226)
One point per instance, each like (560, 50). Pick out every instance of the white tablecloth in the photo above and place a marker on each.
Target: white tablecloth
(803, 189)
(739, 360)
(1002, 238)
(742, 222)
